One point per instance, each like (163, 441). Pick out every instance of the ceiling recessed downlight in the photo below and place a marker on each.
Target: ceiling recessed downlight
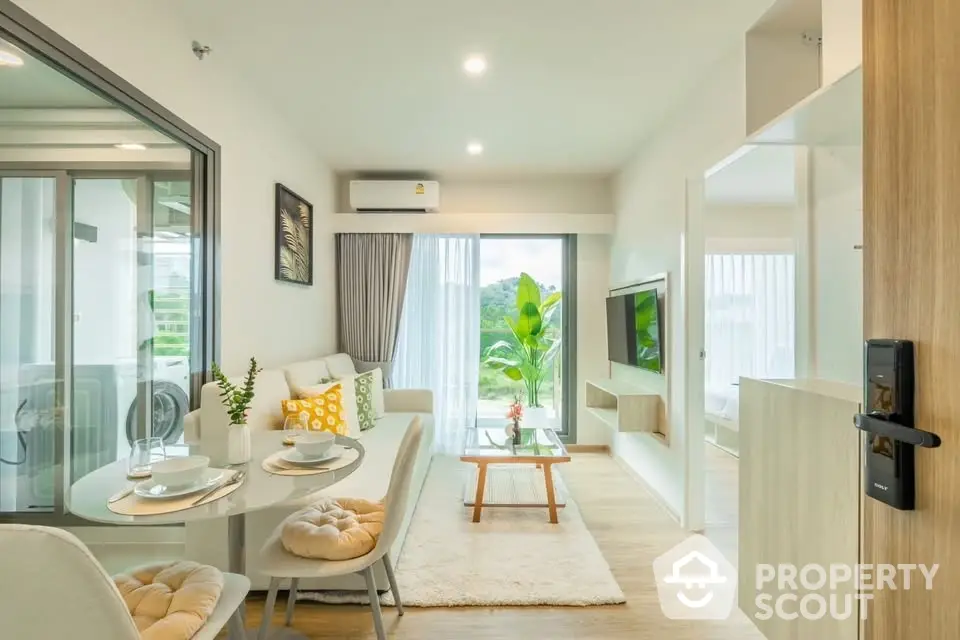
(9, 58)
(474, 148)
(131, 146)
(475, 65)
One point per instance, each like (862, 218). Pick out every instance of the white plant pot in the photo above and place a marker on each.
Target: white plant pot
(238, 444)
(536, 417)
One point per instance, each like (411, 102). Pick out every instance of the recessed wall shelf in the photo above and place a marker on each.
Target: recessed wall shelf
(625, 407)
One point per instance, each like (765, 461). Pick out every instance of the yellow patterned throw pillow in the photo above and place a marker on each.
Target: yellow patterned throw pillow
(324, 412)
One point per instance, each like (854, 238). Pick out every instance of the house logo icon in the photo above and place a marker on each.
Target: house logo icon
(695, 581)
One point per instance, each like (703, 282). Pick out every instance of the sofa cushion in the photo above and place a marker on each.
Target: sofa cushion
(363, 392)
(269, 389)
(348, 402)
(380, 445)
(171, 600)
(333, 529)
(340, 364)
(306, 373)
(323, 412)
(379, 407)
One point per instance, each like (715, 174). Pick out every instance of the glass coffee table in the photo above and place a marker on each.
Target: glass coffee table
(541, 447)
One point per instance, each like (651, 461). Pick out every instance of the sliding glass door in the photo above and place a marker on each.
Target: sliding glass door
(527, 337)
(28, 327)
(97, 306)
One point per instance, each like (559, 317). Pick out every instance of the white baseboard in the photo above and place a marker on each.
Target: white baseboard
(657, 496)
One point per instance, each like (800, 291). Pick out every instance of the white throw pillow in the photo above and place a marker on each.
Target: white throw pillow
(349, 401)
(379, 405)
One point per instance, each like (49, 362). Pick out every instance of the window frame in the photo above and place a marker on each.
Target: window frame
(26, 32)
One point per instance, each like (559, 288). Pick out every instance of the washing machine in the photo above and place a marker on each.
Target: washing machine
(104, 419)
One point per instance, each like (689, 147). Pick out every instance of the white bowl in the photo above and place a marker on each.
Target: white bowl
(314, 444)
(179, 472)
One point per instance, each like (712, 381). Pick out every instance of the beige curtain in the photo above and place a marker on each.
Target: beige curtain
(372, 281)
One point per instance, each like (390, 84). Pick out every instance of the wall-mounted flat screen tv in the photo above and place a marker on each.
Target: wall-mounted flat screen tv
(633, 330)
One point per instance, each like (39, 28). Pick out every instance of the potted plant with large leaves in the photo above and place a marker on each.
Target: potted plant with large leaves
(528, 355)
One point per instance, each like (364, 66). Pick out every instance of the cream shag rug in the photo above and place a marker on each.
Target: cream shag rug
(513, 556)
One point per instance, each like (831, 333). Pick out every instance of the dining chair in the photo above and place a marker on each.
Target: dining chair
(51, 586)
(279, 564)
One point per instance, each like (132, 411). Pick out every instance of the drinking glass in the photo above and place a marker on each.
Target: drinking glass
(143, 453)
(293, 426)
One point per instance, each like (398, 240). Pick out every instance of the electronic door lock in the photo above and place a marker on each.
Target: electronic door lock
(887, 421)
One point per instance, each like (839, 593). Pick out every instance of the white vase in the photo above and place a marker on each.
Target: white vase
(238, 444)
(535, 417)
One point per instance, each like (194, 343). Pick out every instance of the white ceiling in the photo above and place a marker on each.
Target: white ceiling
(572, 85)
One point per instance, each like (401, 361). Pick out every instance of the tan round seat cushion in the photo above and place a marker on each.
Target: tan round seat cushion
(333, 529)
(170, 600)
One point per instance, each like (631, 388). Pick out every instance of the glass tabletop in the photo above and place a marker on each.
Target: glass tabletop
(261, 489)
(496, 443)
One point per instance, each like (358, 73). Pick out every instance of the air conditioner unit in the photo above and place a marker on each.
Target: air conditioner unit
(394, 195)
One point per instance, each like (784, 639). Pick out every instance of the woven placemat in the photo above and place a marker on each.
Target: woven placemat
(134, 505)
(273, 464)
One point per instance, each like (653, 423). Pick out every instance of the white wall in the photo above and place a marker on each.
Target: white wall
(837, 226)
(561, 194)
(593, 274)
(650, 197)
(145, 44)
(749, 228)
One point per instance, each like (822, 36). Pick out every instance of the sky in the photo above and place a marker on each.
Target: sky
(502, 258)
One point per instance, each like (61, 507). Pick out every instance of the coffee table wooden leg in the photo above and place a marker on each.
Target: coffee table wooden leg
(481, 484)
(551, 498)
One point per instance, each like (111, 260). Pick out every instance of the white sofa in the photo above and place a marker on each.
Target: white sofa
(206, 427)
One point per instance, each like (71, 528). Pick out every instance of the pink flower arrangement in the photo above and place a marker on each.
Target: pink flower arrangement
(515, 412)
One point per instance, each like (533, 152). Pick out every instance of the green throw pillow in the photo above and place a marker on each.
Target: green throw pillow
(366, 413)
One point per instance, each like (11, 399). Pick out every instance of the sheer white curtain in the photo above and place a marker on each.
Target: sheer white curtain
(750, 320)
(439, 341)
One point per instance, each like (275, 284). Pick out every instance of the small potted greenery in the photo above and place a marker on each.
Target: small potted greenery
(236, 400)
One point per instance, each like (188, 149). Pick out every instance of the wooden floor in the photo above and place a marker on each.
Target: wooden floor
(631, 529)
(723, 500)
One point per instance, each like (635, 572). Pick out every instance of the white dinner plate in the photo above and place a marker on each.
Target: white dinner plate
(152, 489)
(295, 457)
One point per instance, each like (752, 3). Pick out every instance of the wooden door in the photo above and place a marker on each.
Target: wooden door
(912, 288)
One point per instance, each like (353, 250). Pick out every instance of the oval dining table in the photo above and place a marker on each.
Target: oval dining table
(260, 489)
